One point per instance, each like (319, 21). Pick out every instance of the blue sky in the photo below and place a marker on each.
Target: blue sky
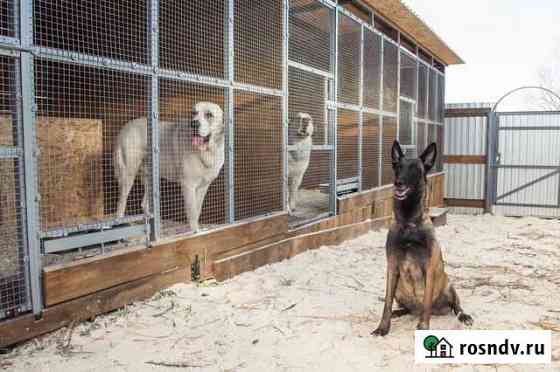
(504, 42)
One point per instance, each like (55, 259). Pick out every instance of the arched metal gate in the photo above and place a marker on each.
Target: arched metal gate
(524, 173)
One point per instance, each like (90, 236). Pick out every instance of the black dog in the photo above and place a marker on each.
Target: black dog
(415, 269)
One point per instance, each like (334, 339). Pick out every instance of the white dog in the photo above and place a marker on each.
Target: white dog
(191, 154)
(298, 159)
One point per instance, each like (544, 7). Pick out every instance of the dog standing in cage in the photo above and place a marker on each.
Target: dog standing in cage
(298, 159)
(192, 153)
(416, 275)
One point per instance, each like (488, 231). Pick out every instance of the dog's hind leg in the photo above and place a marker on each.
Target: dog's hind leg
(126, 181)
(293, 185)
(455, 304)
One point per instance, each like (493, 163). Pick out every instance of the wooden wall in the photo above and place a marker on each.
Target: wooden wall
(83, 289)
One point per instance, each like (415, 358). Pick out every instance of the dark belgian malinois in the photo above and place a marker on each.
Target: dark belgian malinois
(415, 267)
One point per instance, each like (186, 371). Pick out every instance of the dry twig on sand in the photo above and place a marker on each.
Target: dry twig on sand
(178, 364)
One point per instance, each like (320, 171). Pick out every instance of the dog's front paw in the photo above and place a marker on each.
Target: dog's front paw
(423, 325)
(466, 319)
(381, 331)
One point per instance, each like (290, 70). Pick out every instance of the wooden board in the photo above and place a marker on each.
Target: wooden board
(26, 327)
(70, 169)
(467, 112)
(68, 281)
(278, 251)
(465, 159)
(466, 203)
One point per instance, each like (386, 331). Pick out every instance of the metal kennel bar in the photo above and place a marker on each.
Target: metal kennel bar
(230, 102)
(285, 100)
(153, 123)
(31, 153)
(361, 115)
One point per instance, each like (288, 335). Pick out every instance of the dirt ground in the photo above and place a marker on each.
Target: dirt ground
(315, 312)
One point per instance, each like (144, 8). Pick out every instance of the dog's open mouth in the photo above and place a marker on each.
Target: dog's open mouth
(401, 193)
(200, 141)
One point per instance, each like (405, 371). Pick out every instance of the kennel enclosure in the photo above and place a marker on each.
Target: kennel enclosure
(73, 74)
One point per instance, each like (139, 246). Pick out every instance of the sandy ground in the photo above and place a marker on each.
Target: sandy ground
(315, 312)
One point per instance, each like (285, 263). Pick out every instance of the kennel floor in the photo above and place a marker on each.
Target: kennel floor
(315, 311)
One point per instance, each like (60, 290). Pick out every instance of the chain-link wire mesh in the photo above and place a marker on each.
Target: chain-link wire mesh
(372, 69)
(111, 29)
(422, 102)
(192, 133)
(258, 155)
(349, 63)
(421, 136)
(192, 36)
(81, 111)
(440, 147)
(258, 42)
(389, 135)
(13, 285)
(409, 76)
(390, 76)
(406, 123)
(432, 96)
(347, 149)
(8, 14)
(441, 99)
(370, 151)
(309, 170)
(311, 29)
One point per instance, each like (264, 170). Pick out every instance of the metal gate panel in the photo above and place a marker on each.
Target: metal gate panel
(527, 164)
(14, 283)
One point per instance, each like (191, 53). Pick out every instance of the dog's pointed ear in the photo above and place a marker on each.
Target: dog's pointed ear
(429, 156)
(396, 153)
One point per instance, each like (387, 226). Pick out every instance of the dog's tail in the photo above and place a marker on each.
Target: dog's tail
(119, 162)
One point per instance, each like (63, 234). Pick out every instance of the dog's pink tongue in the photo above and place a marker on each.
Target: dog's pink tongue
(197, 141)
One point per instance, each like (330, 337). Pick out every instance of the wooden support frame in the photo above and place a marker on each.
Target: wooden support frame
(465, 159)
(84, 289)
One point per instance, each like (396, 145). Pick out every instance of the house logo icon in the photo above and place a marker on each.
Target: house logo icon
(438, 347)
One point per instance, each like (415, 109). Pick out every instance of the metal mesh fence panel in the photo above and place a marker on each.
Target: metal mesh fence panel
(370, 151)
(192, 36)
(389, 133)
(192, 132)
(258, 155)
(440, 138)
(409, 76)
(349, 40)
(8, 16)
(441, 99)
(432, 96)
(406, 123)
(311, 27)
(81, 111)
(372, 69)
(13, 283)
(422, 102)
(420, 136)
(258, 43)
(390, 76)
(347, 144)
(112, 29)
(309, 170)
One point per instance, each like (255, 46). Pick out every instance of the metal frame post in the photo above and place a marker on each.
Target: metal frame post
(381, 92)
(491, 151)
(30, 156)
(230, 50)
(334, 111)
(285, 108)
(153, 128)
(399, 91)
(361, 118)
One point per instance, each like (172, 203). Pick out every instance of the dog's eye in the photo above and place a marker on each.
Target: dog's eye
(209, 115)
(194, 113)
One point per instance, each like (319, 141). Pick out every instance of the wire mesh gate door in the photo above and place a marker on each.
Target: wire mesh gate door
(526, 163)
(14, 259)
